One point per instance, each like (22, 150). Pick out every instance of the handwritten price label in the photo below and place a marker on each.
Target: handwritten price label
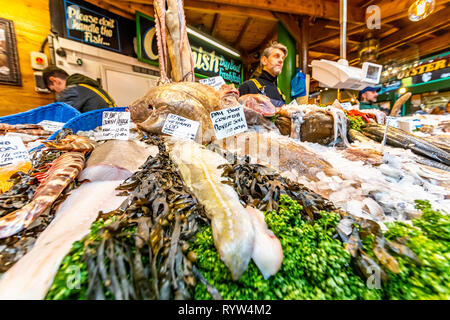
(228, 122)
(12, 150)
(51, 125)
(116, 125)
(215, 82)
(180, 127)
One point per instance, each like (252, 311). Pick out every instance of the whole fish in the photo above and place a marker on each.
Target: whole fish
(190, 100)
(231, 224)
(402, 139)
(63, 171)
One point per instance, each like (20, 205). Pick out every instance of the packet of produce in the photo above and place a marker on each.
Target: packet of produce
(7, 171)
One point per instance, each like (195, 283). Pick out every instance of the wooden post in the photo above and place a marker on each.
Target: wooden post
(304, 44)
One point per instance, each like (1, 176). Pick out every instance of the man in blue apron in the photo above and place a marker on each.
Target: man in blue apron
(81, 92)
(272, 60)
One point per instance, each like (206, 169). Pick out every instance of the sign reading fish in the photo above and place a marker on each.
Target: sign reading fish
(209, 60)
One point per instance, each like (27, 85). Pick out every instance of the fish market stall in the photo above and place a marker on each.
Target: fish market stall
(195, 192)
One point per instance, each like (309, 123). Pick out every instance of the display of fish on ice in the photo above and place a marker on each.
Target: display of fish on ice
(239, 234)
(394, 183)
(300, 113)
(259, 103)
(31, 276)
(297, 162)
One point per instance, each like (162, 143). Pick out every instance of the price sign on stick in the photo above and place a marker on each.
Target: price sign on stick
(12, 150)
(228, 122)
(389, 120)
(116, 125)
(180, 127)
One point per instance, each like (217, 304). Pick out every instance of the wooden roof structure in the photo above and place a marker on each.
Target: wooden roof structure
(249, 25)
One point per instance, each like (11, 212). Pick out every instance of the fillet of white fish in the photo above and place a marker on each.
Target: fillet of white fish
(116, 160)
(31, 277)
(231, 224)
(267, 251)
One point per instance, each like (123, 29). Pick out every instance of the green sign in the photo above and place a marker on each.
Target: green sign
(209, 60)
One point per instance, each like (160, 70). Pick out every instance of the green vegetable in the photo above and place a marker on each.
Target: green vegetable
(428, 238)
(356, 122)
(315, 266)
(70, 281)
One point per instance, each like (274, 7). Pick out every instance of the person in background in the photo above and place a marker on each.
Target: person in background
(81, 92)
(272, 60)
(367, 97)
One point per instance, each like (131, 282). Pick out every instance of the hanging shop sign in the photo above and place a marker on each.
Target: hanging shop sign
(436, 66)
(91, 27)
(209, 61)
(84, 22)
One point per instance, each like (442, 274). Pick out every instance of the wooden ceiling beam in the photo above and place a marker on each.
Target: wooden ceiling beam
(237, 43)
(133, 6)
(435, 44)
(325, 50)
(112, 8)
(270, 35)
(318, 8)
(228, 10)
(291, 25)
(413, 31)
(434, 22)
(215, 25)
(390, 10)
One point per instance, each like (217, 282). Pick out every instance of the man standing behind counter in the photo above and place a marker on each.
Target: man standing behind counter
(81, 92)
(272, 60)
(367, 97)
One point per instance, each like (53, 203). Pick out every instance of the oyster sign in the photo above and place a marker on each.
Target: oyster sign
(209, 61)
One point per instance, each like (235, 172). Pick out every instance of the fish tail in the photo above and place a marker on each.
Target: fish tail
(20, 219)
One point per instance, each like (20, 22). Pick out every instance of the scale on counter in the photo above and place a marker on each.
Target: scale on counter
(339, 75)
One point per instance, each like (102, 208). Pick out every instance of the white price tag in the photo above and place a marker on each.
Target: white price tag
(346, 105)
(116, 125)
(228, 122)
(180, 127)
(215, 82)
(12, 150)
(389, 121)
(51, 125)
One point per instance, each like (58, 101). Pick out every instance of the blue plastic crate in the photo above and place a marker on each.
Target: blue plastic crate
(58, 111)
(87, 121)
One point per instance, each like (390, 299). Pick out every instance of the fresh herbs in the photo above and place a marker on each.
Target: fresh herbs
(429, 276)
(315, 264)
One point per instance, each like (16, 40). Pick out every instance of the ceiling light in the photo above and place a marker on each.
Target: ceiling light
(420, 9)
(211, 41)
(402, 90)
